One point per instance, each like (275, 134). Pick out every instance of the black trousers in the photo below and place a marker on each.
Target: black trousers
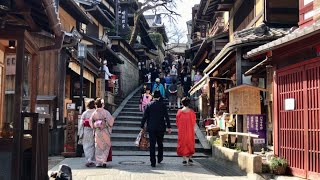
(156, 137)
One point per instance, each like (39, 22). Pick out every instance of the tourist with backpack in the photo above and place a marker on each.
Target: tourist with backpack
(173, 89)
(159, 87)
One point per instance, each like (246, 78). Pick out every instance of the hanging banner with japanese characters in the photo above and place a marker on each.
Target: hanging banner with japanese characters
(256, 124)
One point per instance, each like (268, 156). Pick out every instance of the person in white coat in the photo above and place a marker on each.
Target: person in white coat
(106, 69)
(107, 75)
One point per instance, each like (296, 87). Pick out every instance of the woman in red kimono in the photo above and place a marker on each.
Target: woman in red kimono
(186, 120)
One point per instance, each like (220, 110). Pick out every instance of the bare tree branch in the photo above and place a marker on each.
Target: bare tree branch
(164, 6)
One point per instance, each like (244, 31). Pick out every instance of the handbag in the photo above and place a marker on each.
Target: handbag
(137, 141)
(144, 140)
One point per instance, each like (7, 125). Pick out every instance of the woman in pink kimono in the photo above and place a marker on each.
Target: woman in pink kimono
(145, 99)
(102, 121)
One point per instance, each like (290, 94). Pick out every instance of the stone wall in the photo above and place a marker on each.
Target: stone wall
(129, 76)
(247, 162)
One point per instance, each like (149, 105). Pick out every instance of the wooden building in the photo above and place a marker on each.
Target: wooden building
(293, 65)
(251, 23)
(129, 70)
(21, 53)
(144, 46)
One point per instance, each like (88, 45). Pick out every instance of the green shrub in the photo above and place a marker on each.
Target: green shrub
(276, 162)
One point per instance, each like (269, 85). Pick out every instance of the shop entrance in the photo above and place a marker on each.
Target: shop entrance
(297, 118)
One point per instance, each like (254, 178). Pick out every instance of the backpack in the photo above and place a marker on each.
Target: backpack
(157, 88)
(173, 87)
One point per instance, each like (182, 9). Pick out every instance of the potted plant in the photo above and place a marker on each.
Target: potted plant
(278, 165)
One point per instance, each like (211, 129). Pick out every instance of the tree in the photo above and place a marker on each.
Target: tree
(166, 7)
(175, 36)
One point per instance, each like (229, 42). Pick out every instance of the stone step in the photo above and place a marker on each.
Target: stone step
(146, 153)
(167, 146)
(132, 137)
(137, 101)
(136, 109)
(132, 117)
(135, 124)
(125, 116)
(134, 112)
(135, 130)
(140, 114)
(138, 119)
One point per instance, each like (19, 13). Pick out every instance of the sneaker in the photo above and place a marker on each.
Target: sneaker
(184, 163)
(190, 161)
(160, 160)
(153, 165)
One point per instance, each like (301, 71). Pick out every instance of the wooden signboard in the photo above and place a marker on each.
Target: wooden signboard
(244, 99)
(70, 150)
(100, 87)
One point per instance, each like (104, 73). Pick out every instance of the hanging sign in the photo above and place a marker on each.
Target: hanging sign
(70, 131)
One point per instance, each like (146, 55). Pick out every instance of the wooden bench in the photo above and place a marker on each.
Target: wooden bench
(227, 135)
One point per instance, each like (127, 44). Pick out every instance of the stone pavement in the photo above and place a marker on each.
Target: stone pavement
(138, 168)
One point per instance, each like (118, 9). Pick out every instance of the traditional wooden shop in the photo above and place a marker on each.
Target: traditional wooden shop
(293, 64)
(22, 129)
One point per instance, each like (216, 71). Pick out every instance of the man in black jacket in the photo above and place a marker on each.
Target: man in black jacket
(156, 115)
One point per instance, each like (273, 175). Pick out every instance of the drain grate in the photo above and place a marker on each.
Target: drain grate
(131, 162)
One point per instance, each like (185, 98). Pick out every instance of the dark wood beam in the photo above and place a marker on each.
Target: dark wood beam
(283, 10)
(17, 153)
(31, 46)
(34, 82)
(246, 63)
(239, 66)
(27, 16)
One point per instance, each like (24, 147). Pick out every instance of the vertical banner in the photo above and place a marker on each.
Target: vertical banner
(100, 88)
(70, 131)
(256, 124)
(203, 30)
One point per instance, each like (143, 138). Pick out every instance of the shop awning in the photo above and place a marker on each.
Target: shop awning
(76, 68)
(200, 84)
(296, 35)
(204, 50)
(74, 9)
(250, 37)
(259, 67)
(201, 54)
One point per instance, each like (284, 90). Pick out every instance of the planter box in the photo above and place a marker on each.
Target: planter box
(247, 162)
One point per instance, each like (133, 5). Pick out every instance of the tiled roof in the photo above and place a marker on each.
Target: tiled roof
(255, 35)
(262, 32)
(295, 35)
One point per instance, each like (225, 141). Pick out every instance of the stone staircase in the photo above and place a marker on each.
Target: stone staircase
(127, 127)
